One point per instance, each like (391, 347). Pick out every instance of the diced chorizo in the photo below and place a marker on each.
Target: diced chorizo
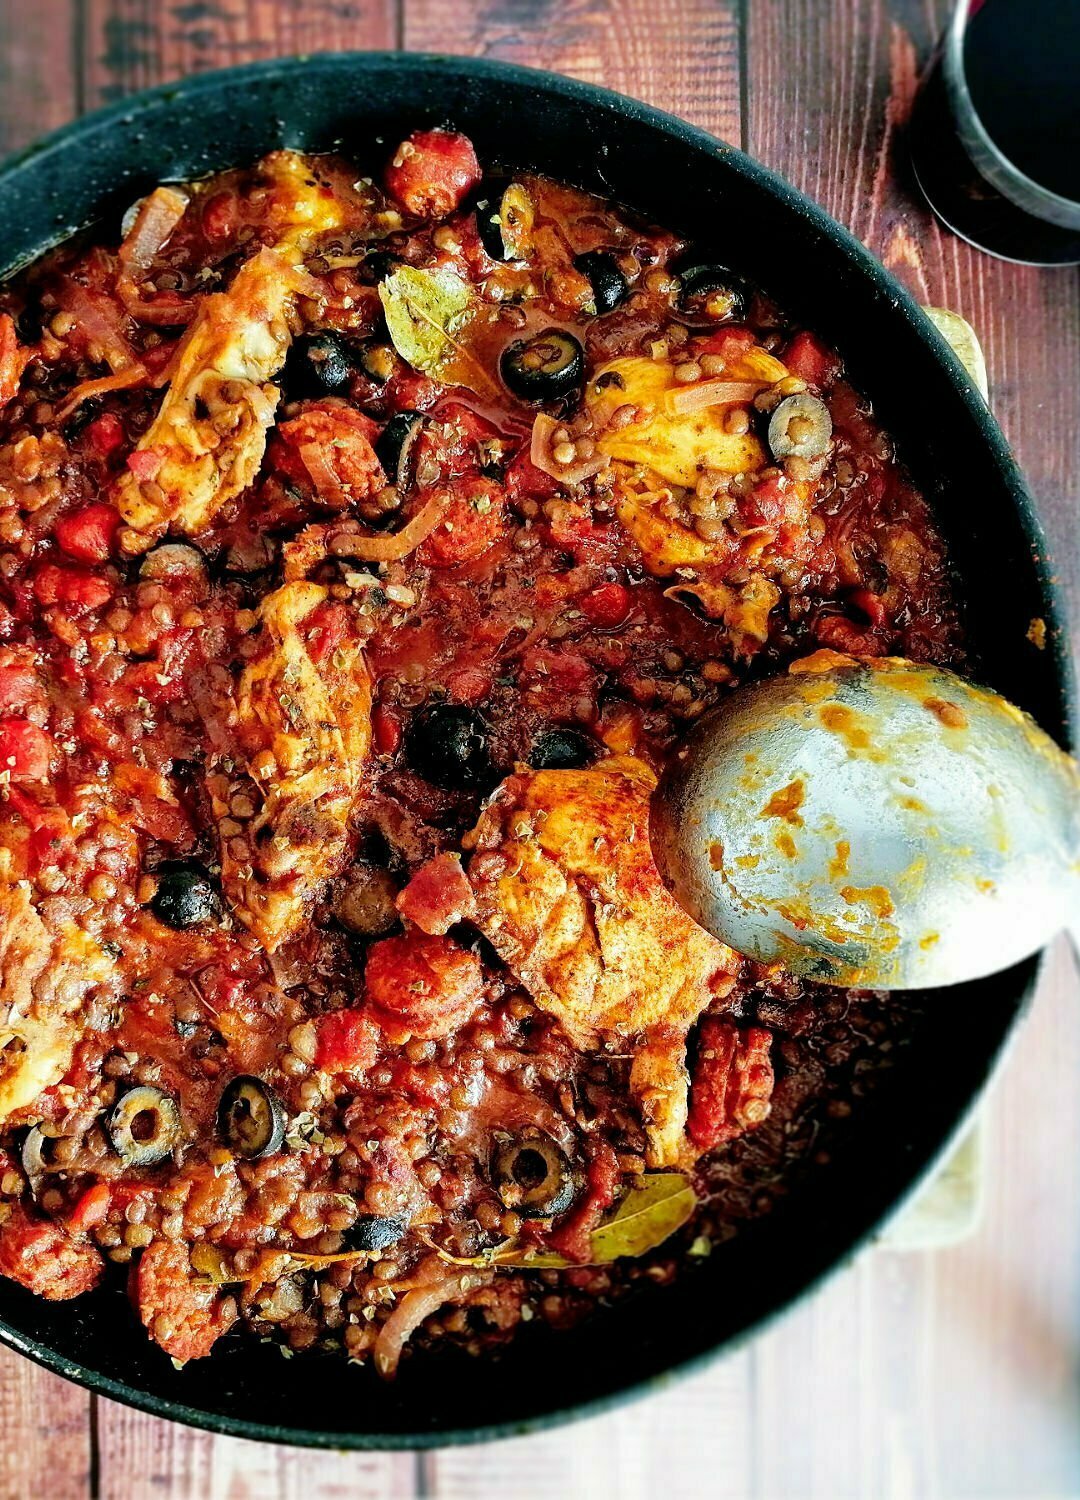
(185, 1318)
(42, 1257)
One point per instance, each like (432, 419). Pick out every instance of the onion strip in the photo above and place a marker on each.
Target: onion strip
(374, 548)
(413, 1308)
(704, 393)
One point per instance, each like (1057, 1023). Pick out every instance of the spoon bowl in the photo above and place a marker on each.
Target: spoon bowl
(875, 823)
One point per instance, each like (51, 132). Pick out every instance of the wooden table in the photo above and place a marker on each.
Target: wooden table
(953, 1374)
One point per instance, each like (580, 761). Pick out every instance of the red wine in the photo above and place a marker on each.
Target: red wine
(1022, 65)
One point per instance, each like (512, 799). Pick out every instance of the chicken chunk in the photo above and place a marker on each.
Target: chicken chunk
(569, 896)
(300, 731)
(665, 452)
(207, 441)
(47, 974)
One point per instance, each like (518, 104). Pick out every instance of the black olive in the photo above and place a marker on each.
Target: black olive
(185, 895)
(373, 1232)
(394, 445)
(378, 362)
(143, 1126)
(712, 292)
(251, 1118)
(800, 427)
(36, 1154)
(545, 367)
(318, 365)
(379, 264)
(608, 283)
(447, 744)
(561, 750)
(533, 1176)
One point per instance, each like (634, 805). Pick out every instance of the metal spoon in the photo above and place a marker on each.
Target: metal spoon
(874, 823)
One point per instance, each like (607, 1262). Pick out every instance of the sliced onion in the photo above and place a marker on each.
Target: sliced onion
(123, 380)
(373, 548)
(103, 329)
(541, 457)
(155, 219)
(413, 1308)
(330, 489)
(713, 393)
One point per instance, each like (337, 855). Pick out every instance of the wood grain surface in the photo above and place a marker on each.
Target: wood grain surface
(952, 1374)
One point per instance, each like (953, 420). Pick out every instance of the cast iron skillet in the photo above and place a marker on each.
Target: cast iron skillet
(362, 104)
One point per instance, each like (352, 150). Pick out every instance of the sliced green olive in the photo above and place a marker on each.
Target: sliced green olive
(800, 427)
(505, 224)
(533, 1176)
(545, 367)
(251, 1118)
(143, 1126)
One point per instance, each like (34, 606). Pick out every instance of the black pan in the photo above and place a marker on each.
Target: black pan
(689, 182)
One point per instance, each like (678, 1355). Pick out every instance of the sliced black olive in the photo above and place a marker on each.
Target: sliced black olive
(185, 895)
(545, 367)
(143, 1126)
(561, 750)
(447, 743)
(608, 283)
(318, 365)
(378, 362)
(374, 1232)
(393, 446)
(379, 264)
(800, 427)
(251, 1118)
(712, 292)
(36, 1153)
(505, 223)
(533, 1176)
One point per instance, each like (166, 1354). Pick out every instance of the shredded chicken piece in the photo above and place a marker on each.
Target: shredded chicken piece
(569, 896)
(47, 973)
(301, 729)
(208, 439)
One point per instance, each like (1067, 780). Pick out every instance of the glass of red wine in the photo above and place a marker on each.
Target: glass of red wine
(995, 132)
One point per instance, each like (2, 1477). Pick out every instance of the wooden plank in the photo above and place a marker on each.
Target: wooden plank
(38, 86)
(45, 1420)
(681, 55)
(131, 44)
(146, 1459)
(833, 124)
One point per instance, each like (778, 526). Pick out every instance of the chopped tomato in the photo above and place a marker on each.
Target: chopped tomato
(732, 1082)
(325, 629)
(346, 1041)
(769, 503)
(88, 534)
(575, 532)
(607, 605)
(431, 172)
(422, 985)
(144, 463)
(438, 895)
(72, 588)
(473, 522)
(105, 434)
(469, 685)
(25, 750)
(19, 685)
(809, 359)
(385, 729)
(92, 1208)
(573, 1238)
(524, 481)
(729, 343)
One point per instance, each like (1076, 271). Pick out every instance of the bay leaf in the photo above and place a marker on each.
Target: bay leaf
(649, 1213)
(425, 310)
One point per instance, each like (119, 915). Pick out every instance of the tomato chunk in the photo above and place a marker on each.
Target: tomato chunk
(72, 588)
(346, 1041)
(811, 361)
(42, 1257)
(608, 605)
(424, 985)
(573, 1238)
(25, 750)
(431, 172)
(185, 1318)
(88, 534)
(732, 1082)
(437, 896)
